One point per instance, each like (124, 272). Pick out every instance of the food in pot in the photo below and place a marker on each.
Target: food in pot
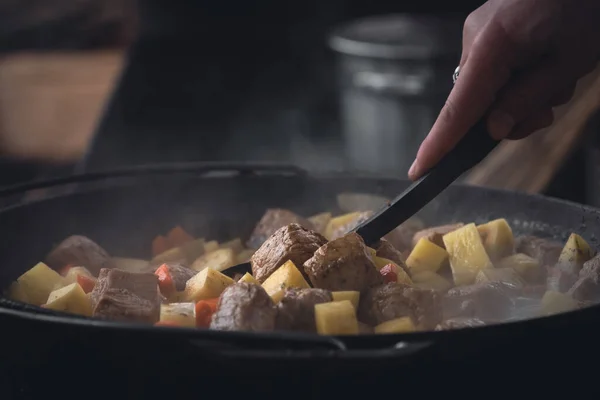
(311, 275)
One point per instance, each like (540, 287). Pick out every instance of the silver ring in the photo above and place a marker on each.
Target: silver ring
(455, 74)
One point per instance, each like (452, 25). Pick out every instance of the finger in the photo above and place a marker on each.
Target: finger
(528, 93)
(487, 69)
(539, 120)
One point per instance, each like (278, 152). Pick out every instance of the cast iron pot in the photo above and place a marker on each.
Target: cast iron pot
(124, 210)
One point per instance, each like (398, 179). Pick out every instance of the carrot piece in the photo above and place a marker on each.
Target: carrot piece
(65, 270)
(178, 236)
(172, 324)
(165, 280)
(204, 312)
(160, 244)
(87, 283)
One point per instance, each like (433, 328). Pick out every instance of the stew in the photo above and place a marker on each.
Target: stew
(311, 275)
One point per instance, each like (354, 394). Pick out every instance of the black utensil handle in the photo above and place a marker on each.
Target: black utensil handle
(202, 168)
(468, 152)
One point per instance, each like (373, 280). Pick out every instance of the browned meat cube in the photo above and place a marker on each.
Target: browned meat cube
(244, 307)
(559, 280)
(296, 310)
(343, 264)
(587, 286)
(126, 296)
(385, 250)
(79, 251)
(292, 242)
(435, 234)
(180, 274)
(533, 291)
(459, 323)
(395, 300)
(271, 221)
(546, 251)
(487, 301)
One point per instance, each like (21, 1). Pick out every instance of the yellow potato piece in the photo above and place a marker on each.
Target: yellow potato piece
(286, 276)
(527, 267)
(336, 318)
(192, 250)
(426, 256)
(206, 284)
(466, 253)
(71, 299)
(338, 222)
(397, 325)
(211, 246)
(15, 292)
(218, 260)
(351, 295)
(320, 221)
(497, 238)
(402, 276)
(431, 280)
(182, 314)
(556, 302)
(575, 253)
(37, 283)
(248, 278)
(129, 264)
(175, 254)
(507, 275)
(234, 244)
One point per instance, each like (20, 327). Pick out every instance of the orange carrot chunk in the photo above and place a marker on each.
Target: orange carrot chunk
(204, 312)
(178, 236)
(172, 324)
(87, 283)
(165, 280)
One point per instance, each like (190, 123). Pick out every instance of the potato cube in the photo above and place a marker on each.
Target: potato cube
(206, 284)
(234, 244)
(351, 295)
(218, 260)
(180, 314)
(507, 275)
(71, 299)
(426, 256)
(527, 267)
(211, 246)
(192, 250)
(16, 292)
(497, 238)
(556, 302)
(398, 325)
(286, 276)
(175, 254)
(335, 224)
(131, 264)
(320, 221)
(431, 280)
(39, 282)
(336, 318)
(248, 278)
(466, 253)
(574, 254)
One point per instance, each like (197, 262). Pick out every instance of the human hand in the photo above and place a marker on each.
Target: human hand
(520, 58)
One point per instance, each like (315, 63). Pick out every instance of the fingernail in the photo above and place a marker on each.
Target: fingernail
(413, 169)
(500, 124)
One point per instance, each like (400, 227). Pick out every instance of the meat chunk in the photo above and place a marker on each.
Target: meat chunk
(487, 301)
(435, 234)
(385, 250)
(343, 264)
(180, 274)
(291, 242)
(587, 286)
(559, 280)
(459, 323)
(546, 251)
(271, 221)
(126, 296)
(296, 310)
(395, 300)
(244, 307)
(81, 251)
